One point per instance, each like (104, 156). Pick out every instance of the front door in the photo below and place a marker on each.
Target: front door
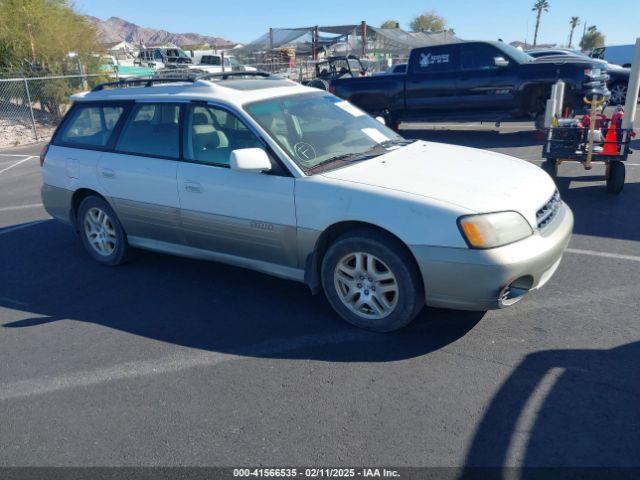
(485, 82)
(249, 215)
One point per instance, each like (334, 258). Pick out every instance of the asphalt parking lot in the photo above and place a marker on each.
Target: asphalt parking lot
(169, 361)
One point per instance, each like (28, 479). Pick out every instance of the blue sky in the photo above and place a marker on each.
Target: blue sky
(245, 20)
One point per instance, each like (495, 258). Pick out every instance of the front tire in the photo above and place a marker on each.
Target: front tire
(101, 232)
(371, 281)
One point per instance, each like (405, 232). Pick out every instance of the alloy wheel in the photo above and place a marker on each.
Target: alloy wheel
(366, 285)
(100, 231)
(618, 94)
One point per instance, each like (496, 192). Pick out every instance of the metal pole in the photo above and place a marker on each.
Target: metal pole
(33, 120)
(316, 31)
(270, 38)
(222, 59)
(559, 98)
(631, 105)
(592, 127)
(548, 111)
(363, 27)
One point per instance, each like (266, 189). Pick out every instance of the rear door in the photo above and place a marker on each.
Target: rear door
(431, 81)
(483, 84)
(139, 175)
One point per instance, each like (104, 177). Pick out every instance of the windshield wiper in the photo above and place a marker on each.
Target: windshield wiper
(345, 158)
(396, 143)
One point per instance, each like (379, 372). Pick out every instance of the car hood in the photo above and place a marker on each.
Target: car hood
(476, 180)
(569, 60)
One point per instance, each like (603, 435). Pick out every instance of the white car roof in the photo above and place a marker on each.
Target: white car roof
(235, 92)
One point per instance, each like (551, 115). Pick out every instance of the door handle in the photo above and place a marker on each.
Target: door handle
(108, 173)
(192, 187)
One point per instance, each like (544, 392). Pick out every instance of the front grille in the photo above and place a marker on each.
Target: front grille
(549, 210)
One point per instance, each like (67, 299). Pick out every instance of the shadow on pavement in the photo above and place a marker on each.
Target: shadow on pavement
(599, 213)
(563, 408)
(197, 304)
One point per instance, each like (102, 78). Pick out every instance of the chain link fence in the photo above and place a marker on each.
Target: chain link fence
(31, 107)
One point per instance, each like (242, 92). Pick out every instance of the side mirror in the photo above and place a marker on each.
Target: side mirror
(500, 61)
(251, 160)
(381, 120)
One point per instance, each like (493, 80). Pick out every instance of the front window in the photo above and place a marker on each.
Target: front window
(320, 131)
(478, 57)
(211, 134)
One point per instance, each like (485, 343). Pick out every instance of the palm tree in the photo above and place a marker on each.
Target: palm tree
(539, 7)
(574, 22)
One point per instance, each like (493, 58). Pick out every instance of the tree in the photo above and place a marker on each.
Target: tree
(591, 39)
(539, 7)
(42, 33)
(389, 24)
(574, 22)
(429, 22)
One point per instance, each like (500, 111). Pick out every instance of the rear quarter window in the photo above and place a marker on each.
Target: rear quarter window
(90, 125)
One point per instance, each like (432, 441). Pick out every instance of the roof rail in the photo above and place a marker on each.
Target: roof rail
(147, 82)
(239, 73)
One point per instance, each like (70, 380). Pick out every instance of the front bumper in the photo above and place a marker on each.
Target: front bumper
(469, 279)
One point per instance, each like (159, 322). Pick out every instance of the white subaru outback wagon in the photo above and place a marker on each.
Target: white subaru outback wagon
(263, 173)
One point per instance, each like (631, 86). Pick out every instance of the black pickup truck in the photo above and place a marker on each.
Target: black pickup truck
(481, 81)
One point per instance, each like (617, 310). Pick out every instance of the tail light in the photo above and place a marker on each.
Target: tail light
(43, 153)
(332, 89)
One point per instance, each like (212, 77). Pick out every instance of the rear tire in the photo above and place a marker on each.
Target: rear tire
(615, 180)
(371, 281)
(101, 233)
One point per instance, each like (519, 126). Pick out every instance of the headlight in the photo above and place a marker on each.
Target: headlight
(490, 230)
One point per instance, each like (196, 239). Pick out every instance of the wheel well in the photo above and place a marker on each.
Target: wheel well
(330, 234)
(77, 198)
(535, 97)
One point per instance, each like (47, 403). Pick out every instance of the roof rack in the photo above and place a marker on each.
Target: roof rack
(147, 82)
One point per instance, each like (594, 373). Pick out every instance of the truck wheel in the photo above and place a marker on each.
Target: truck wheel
(538, 121)
(371, 281)
(615, 180)
(618, 93)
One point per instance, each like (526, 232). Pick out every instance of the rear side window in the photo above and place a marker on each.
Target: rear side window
(152, 129)
(436, 60)
(90, 125)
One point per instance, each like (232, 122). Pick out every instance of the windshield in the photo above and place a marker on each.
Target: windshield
(320, 131)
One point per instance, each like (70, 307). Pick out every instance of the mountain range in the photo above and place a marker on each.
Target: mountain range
(116, 29)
